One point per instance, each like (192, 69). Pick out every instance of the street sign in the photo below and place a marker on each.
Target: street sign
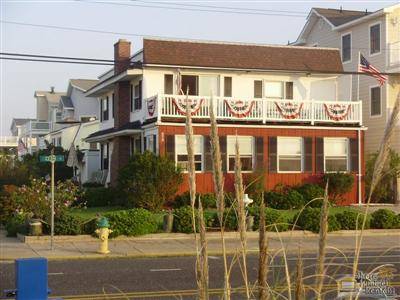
(51, 158)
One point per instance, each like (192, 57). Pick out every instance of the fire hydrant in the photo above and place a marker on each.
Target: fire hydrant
(103, 232)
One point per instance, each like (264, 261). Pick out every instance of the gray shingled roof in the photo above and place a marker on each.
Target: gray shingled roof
(84, 84)
(339, 17)
(67, 102)
(52, 97)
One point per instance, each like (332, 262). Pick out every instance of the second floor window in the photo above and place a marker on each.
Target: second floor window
(138, 96)
(168, 84)
(258, 85)
(190, 83)
(375, 104)
(346, 47)
(227, 86)
(105, 104)
(375, 39)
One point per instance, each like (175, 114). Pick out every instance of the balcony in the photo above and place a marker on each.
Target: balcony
(256, 110)
(36, 128)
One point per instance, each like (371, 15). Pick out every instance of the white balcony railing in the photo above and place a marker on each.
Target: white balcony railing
(36, 128)
(394, 54)
(261, 110)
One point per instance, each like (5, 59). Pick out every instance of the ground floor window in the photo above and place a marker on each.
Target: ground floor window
(246, 152)
(104, 156)
(290, 151)
(150, 143)
(181, 152)
(336, 154)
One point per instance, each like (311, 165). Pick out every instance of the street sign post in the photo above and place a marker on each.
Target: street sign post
(52, 159)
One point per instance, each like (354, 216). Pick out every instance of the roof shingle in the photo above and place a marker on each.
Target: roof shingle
(339, 16)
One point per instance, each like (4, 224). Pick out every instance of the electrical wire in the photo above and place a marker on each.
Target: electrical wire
(56, 61)
(56, 57)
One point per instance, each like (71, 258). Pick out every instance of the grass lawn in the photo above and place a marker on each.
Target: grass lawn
(91, 212)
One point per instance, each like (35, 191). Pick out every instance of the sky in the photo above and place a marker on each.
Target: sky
(130, 20)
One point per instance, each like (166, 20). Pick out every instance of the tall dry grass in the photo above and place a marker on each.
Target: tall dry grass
(202, 260)
(263, 291)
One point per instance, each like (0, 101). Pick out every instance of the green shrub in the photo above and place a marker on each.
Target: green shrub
(132, 222)
(100, 196)
(207, 200)
(384, 219)
(339, 184)
(92, 185)
(183, 217)
(272, 216)
(351, 220)
(310, 192)
(8, 205)
(67, 224)
(284, 199)
(149, 181)
(209, 218)
(274, 200)
(16, 224)
(309, 219)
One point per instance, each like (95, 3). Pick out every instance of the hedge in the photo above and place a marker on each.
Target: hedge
(385, 219)
(272, 216)
(352, 220)
(100, 196)
(207, 200)
(309, 219)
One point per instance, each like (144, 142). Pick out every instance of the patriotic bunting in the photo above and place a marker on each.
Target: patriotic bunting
(289, 110)
(239, 108)
(337, 112)
(151, 106)
(180, 105)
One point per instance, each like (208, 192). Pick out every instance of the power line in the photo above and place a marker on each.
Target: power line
(192, 9)
(56, 57)
(57, 61)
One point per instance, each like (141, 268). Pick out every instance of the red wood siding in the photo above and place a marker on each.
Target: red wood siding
(205, 182)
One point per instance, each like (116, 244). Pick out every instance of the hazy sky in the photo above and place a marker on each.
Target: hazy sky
(19, 80)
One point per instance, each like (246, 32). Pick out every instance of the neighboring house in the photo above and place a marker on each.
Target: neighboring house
(77, 117)
(376, 35)
(16, 128)
(282, 102)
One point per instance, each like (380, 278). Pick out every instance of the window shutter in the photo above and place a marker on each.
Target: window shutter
(207, 154)
(222, 147)
(140, 95)
(144, 143)
(113, 105)
(259, 147)
(101, 110)
(307, 154)
(131, 96)
(319, 154)
(170, 147)
(101, 157)
(354, 155)
(272, 154)
(154, 143)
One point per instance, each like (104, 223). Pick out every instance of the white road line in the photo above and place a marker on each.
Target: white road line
(213, 257)
(59, 273)
(165, 270)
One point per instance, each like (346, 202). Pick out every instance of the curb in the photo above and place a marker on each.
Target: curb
(210, 235)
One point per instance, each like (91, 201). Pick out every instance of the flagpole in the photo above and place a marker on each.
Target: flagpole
(358, 76)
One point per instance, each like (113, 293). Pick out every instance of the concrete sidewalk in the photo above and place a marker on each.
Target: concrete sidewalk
(159, 245)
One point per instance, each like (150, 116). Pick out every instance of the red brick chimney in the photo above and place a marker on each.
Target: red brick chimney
(122, 55)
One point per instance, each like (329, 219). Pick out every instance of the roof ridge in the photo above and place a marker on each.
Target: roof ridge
(338, 9)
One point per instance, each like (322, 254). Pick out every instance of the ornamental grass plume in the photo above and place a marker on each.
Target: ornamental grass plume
(219, 190)
(299, 293)
(241, 215)
(202, 261)
(263, 291)
(323, 230)
(383, 153)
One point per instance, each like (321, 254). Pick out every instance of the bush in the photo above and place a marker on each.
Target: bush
(309, 219)
(384, 219)
(310, 192)
(339, 184)
(207, 200)
(351, 220)
(149, 181)
(183, 217)
(67, 224)
(272, 216)
(100, 196)
(16, 224)
(132, 222)
(7, 204)
(286, 198)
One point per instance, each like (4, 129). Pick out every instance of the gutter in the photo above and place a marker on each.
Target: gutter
(111, 135)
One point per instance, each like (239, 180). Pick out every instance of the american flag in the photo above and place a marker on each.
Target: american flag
(365, 67)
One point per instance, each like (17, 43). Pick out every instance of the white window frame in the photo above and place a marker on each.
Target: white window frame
(347, 154)
(301, 154)
(202, 152)
(233, 137)
(380, 38)
(370, 101)
(351, 46)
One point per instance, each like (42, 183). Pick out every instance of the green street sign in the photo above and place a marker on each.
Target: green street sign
(51, 158)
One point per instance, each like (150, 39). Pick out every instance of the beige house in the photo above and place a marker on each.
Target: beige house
(376, 36)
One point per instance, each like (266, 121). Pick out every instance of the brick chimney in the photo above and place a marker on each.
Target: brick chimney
(122, 55)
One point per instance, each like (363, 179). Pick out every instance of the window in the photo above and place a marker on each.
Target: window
(335, 152)
(136, 145)
(168, 84)
(258, 88)
(227, 86)
(375, 39)
(112, 104)
(290, 154)
(181, 152)
(375, 105)
(131, 96)
(208, 85)
(346, 47)
(105, 108)
(288, 90)
(274, 89)
(138, 96)
(246, 152)
(190, 83)
(104, 156)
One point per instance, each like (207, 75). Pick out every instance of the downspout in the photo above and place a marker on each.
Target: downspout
(359, 168)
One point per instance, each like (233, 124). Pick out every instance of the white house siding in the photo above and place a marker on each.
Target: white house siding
(84, 106)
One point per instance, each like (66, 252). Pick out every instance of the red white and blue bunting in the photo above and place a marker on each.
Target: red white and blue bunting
(151, 106)
(289, 110)
(239, 108)
(337, 112)
(181, 104)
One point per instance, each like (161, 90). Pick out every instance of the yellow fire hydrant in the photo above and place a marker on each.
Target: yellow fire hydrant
(103, 232)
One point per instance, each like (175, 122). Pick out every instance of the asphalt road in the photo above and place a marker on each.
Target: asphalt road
(167, 278)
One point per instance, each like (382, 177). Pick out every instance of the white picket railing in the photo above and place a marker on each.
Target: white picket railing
(261, 109)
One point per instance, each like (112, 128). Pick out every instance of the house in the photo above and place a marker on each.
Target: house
(77, 117)
(283, 102)
(16, 129)
(376, 36)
